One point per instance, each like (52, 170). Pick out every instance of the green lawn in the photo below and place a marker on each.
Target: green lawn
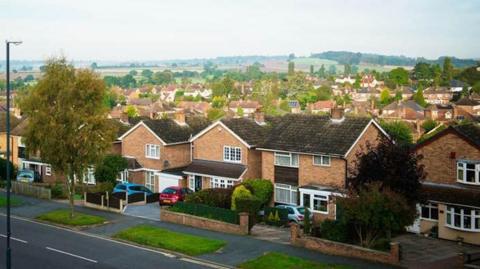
(13, 201)
(62, 216)
(156, 237)
(279, 260)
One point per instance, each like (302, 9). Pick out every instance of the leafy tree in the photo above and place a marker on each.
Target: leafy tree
(219, 101)
(385, 97)
(423, 71)
(128, 81)
(321, 71)
(240, 112)
(291, 56)
(29, 78)
(398, 76)
(291, 68)
(163, 77)
(375, 212)
(215, 114)
(399, 131)
(67, 122)
(239, 192)
(131, 111)
(447, 72)
(394, 166)
(261, 188)
(109, 168)
(332, 70)
(94, 66)
(398, 96)
(347, 70)
(429, 125)
(418, 97)
(312, 70)
(147, 73)
(133, 72)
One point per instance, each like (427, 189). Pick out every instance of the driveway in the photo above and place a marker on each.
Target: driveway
(148, 211)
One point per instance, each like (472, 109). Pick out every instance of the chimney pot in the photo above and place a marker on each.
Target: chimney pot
(259, 117)
(337, 113)
(180, 117)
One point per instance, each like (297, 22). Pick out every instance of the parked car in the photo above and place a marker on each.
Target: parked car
(171, 195)
(29, 176)
(131, 188)
(295, 213)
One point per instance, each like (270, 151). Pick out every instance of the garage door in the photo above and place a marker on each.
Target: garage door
(165, 182)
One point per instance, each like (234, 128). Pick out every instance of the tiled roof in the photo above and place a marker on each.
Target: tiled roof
(409, 104)
(213, 168)
(3, 122)
(454, 194)
(470, 131)
(132, 163)
(314, 134)
(465, 101)
(247, 129)
(169, 131)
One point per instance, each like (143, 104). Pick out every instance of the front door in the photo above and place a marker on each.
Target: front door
(198, 183)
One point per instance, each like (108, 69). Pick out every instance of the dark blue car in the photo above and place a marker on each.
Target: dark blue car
(131, 188)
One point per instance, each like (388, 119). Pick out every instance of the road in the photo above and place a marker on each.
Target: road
(36, 245)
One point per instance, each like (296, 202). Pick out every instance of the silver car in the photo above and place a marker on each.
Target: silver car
(296, 214)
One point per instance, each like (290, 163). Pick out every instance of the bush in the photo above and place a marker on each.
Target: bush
(215, 197)
(108, 169)
(250, 204)
(58, 191)
(334, 230)
(240, 192)
(3, 170)
(261, 188)
(221, 214)
(429, 125)
(101, 187)
(307, 222)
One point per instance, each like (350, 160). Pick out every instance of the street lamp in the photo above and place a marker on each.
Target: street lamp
(9, 183)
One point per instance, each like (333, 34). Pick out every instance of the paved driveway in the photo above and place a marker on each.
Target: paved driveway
(149, 211)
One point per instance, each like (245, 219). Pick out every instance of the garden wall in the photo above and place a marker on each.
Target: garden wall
(205, 223)
(336, 248)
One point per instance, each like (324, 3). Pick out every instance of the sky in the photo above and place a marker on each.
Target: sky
(140, 30)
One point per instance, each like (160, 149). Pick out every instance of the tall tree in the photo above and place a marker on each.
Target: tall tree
(321, 71)
(347, 70)
(419, 98)
(67, 121)
(312, 70)
(447, 72)
(291, 68)
(398, 77)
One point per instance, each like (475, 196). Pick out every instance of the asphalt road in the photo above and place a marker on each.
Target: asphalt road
(36, 245)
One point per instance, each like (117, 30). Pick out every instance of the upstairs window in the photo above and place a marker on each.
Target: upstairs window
(322, 160)
(152, 151)
(232, 154)
(286, 159)
(468, 172)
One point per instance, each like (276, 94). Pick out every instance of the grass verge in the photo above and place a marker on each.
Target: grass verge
(13, 201)
(161, 238)
(62, 216)
(279, 260)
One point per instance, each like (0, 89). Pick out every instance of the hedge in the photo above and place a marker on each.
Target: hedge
(215, 197)
(251, 205)
(262, 188)
(205, 211)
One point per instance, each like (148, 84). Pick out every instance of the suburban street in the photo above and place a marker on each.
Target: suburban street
(36, 245)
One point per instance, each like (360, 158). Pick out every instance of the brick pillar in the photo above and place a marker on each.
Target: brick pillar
(244, 223)
(395, 252)
(460, 260)
(294, 233)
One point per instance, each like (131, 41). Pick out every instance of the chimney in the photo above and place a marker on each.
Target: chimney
(259, 117)
(337, 114)
(180, 117)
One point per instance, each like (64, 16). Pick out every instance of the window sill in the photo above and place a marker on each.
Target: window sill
(321, 165)
(153, 158)
(228, 161)
(319, 212)
(286, 166)
(433, 220)
(468, 183)
(463, 229)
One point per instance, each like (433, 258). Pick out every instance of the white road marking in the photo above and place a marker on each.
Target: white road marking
(15, 239)
(70, 254)
(203, 263)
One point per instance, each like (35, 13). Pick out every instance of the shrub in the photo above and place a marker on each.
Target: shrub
(215, 197)
(249, 204)
(58, 191)
(429, 125)
(276, 216)
(101, 187)
(110, 166)
(261, 188)
(334, 230)
(307, 224)
(240, 192)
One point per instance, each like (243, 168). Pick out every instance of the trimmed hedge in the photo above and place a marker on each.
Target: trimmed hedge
(205, 211)
(334, 230)
(251, 205)
(262, 188)
(216, 197)
(239, 192)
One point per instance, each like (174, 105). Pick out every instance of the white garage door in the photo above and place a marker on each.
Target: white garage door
(165, 182)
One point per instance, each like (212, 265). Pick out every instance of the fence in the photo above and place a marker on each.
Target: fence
(276, 216)
(31, 190)
(209, 212)
(104, 201)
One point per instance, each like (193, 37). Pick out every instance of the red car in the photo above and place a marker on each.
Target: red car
(171, 195)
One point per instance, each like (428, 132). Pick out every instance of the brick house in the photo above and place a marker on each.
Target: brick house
(441, 95)
(225, 153)
(157, 151)
(407, 110)
(307, 157)
(321, 106)
(451, 161)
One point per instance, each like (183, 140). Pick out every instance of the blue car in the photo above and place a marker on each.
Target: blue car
(131, 188)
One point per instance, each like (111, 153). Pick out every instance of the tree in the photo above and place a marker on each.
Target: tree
(131, 111)
(447, 72)
(321, 71)
(215, 114)
(394, 166)
(94, 66)
(429, 125)
(398, 76)
(240, 112)
(291, 68)
(133, 72)
(385, 96)
(332, 70)
(3, 169)
(67, 123)
(312, 70)
(399, 131)
(347, 70)
(219, 101)
(418, 97)
(109, 168)
(147, 73)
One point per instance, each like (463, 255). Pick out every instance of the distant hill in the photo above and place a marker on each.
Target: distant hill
(355, 58)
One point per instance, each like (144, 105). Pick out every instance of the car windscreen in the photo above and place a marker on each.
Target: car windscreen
(169, 191)
(301, 210)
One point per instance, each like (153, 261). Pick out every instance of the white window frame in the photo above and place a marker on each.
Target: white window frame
(287, 155)
(89, 176)
(48, 170)
(292, 193)
(462, 166)
(223, 183)
(429, 206)
(232, 154)
(450, 217)
(316, 195)
(152, 151)
(150, 180)
(123, 176)
(323, 161)
(191, 182)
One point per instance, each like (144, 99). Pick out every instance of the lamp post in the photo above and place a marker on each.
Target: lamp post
(9, 183)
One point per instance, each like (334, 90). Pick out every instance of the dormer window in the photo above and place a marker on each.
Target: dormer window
(468, 172)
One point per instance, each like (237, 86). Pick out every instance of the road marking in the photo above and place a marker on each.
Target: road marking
(203, 263)
(70, 254)
(15, 239)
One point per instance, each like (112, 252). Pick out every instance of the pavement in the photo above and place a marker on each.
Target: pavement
(148, 211)
(238, 248)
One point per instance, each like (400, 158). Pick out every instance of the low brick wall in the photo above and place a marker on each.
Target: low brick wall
(336, 248)
(205, 223)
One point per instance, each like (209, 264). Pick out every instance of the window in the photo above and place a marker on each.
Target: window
(89, 176)
(221, 183)
(232, 154)
(123, 176)
(463, 218)
(323, 160)
(152, 151)
(468, 172)
(286, 159)
(150, 180)
(320, 203)
(429, 211)
(48, 170)
(286, 194)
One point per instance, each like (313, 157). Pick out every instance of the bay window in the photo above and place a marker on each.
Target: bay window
(429, 211)
(463, 218)
(315, 201)
(468, 172)
(286, 194)
(232, 154)
(152, 151)
(286, 159)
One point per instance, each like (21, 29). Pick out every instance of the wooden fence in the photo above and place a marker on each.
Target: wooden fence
(31, 190)
(104, 201)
